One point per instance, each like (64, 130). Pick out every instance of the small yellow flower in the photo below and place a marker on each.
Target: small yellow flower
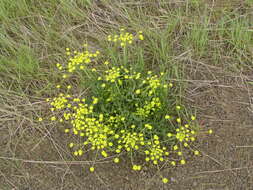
(118, 151)
(71, 145)
(53, 118)
(178, 120)
(69, 87)
(210, 131)
(116, 136)
(193, 118)
(40, 119)
(175, 147)
(76, 153)
(165, 180)
(173, 163)
(167, 117)
(178, 107)
(110, 144)
(182, 162)
(148, 126)
(156, 137)
(169, 134)
(80, 152)
(92, 169)
(123, 131)
(156, 142)
(104, 154)
(116, 160)
(95, 100)
(138, 91)
(66, 130)
(196, 152)
(135, 167)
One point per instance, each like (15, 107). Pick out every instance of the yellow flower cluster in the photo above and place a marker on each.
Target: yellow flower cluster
(125, 38)
(60, 102)
(115, 121)
(112, 74)
(184, 134)
(124, 112)
(78, 60)
(154, 83)
(118, 74)
(136, 167)
(149, 107)
(92, 128)
(131, 140)
(156, 153)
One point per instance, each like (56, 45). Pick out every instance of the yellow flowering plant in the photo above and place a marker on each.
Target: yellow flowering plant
(125, 111)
